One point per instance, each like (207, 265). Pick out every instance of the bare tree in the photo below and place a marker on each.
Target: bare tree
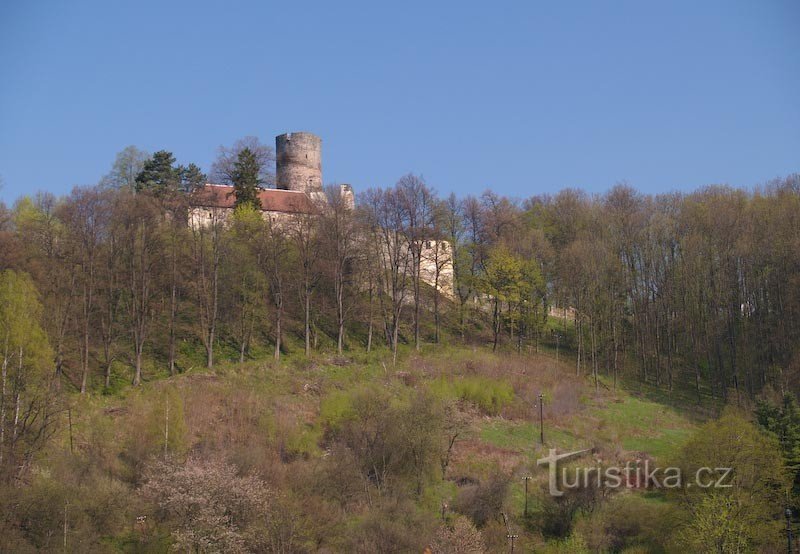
(139, 217)
(127, 165)
(416, 201)
(274, 255)
(304, 231)
(86, 214)
(338, 231)
(385, 217)
(223, 170)
(209, 245)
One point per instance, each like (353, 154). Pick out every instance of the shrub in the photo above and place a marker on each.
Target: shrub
(483, 501)
(461, 538)
(488, 395)
(208, 506)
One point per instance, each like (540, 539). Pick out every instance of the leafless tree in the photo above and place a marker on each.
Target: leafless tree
(338, 233)
(223, 170)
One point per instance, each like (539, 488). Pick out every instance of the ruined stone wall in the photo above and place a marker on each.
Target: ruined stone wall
(299, 162)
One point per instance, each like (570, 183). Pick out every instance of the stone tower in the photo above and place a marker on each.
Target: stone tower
(299, 162)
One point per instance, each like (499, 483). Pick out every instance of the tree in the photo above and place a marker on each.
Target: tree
(383, 216)
(246, 288)
(159, 176)
(416, 202)
(209, 248)
(273, 250)
(128, 164)
(139, 217)
(27, 411)
(304, 230)
(503, 282)
(210, 507)
(339, 251)
(748, 514)
(461, 538)
(783, 422)
(223, 171)
(42, 235)
(86, 215)
(245, 178)
(175, 239)
(192, 178)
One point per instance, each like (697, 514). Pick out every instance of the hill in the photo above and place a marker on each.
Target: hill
(354, 451)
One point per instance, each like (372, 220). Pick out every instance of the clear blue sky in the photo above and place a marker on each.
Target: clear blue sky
(524, 98)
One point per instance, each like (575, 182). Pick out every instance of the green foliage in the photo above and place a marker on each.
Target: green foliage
(93, 507)
(26, 409)
(395, 438)
(503, 278)
(747, 515)
(488, 395)
(783, 421)
(159, 176)
(127, 166)
(626, 521)
(644, 426)
(246, 180)
(573, 544)
(21, 334)
(192, 178)
(158, 429)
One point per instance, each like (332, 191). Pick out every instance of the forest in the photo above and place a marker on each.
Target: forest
(301, 387)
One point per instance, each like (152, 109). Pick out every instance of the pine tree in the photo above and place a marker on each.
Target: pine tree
(192, 178)
(246, 181)
(784, 422)
(159, 176)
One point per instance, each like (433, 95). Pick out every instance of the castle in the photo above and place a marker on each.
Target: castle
(299, 191)
(298, 184)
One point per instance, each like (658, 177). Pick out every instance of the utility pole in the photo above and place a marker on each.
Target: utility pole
(512, 538)
(166, 427)
(526, 479)
(65, 525)
(557, 337)
(541, 418)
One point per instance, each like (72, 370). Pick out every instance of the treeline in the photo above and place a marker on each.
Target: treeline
(696, 290)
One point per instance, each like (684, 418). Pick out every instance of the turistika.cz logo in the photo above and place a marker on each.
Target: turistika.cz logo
(632, 475)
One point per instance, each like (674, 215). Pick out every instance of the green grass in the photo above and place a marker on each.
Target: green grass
(643, 425)
(511, 435)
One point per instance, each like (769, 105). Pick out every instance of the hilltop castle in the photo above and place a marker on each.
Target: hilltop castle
(299, 192)
(298, 184)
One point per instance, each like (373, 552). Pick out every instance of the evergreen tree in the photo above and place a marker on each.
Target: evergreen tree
(784, 422)
(192, 178)
(159, 175)
(246, 181)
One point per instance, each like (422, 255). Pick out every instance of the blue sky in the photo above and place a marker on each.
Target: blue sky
(524, 98)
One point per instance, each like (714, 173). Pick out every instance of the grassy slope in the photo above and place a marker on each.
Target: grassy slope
(284, 401)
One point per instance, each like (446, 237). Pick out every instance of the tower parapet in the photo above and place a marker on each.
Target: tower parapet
(299, 162)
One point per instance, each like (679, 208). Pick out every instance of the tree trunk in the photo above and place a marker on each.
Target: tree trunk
(308, 319)
(278, 321)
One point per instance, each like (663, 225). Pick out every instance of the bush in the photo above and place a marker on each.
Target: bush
(461, 538)
(394, 440)
(627, 521)
(488, 395)
(483, 501)
(207, 505)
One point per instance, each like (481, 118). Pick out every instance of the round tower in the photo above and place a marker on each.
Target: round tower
(299, 162)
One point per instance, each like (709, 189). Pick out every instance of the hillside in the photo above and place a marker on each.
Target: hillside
(287, 424)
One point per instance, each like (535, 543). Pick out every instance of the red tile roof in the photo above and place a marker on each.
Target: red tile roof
(272, 200)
